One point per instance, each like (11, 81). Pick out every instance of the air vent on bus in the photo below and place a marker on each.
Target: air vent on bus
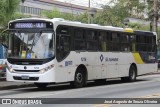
(28, 61)
(26, 70)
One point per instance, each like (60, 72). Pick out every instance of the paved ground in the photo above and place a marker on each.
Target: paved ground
(11, 85)
(145, 87)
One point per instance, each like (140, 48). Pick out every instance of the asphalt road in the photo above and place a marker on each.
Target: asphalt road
(145, 87)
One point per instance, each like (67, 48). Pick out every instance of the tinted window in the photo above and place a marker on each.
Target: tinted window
(63, 42)
(91, 40)
(79, 40)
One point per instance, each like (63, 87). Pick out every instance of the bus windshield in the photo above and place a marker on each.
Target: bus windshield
(36, 45)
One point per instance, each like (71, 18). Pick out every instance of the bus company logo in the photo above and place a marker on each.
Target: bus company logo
(101, 57)
(83, 59)
(25, 67)
(67, 63)
(6, 101)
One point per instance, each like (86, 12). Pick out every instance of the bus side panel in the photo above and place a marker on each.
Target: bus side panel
(118, 64)
(99, 65)
(65, 69)
(123, 70)
(124, 63)
(60, 73)
(111, 71)
(94, 65)
(144, 64)
(110, 64)
(146, 68)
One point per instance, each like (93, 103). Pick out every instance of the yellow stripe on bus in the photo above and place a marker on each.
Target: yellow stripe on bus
(137, 58)
(128, 30)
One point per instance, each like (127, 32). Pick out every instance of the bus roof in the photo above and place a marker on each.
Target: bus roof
(146, 33)
(79, 24)
(61, 21)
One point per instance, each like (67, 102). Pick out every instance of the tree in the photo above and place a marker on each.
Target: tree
(83, 17)
(117, 10)
(7, 11)
(55, 13)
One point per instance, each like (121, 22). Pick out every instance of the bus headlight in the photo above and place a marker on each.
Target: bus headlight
(10, 69)
(46, 69)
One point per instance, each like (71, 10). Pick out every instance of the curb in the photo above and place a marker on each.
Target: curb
(153, 73)
(3, 79)
(16, 86)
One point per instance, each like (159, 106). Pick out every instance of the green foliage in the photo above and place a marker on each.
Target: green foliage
(138, 26)
(51, 14)
(112, 14)
(107, 17)
(7, 10)
(158, 31)
(19, 16)
(55, 13)
(119, 10)
(81, 18)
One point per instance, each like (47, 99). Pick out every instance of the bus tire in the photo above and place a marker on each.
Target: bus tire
(132, 75)
(79, 79)
(41, 85)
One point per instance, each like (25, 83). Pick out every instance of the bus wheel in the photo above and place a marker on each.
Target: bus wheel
(41, 85)
(132, 75)
(79, 79)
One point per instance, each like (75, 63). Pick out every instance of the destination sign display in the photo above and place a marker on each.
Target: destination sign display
(30, 25)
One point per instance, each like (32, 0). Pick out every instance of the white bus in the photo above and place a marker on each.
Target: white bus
(46, 51)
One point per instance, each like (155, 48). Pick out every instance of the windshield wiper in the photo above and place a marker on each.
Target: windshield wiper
(20, 37)
(36, 38)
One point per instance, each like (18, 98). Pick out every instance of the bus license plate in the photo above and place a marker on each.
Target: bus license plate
(25, 77)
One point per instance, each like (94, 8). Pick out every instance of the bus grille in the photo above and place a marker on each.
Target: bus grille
(26, 70)
(30, 78)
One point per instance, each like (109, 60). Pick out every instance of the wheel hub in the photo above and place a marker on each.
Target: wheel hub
(133, 74)
(79, 77)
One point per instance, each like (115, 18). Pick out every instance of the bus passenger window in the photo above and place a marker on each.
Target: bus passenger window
(133, 43)
(79, 40)
(91, 42)
(102, 41)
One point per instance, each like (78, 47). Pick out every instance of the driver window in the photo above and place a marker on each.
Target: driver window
(63, 42)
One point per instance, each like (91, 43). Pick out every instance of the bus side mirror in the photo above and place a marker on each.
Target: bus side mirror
(3, 38)
(158, 41)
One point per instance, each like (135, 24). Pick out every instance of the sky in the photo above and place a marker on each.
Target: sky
(93, 3)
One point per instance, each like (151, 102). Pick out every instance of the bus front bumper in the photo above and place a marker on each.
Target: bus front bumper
(30, 77)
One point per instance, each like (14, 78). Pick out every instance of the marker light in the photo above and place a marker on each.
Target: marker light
(128, 30)
(10, 69)
(46, 69)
